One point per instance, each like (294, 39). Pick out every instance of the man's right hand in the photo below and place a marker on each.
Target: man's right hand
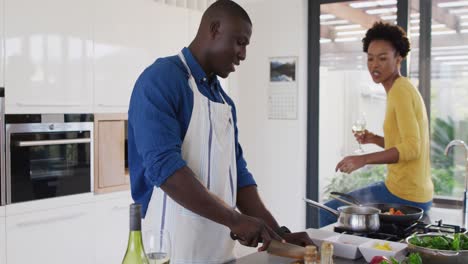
(250, 231)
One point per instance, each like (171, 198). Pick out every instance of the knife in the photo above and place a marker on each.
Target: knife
(286, 250)
(281, 249)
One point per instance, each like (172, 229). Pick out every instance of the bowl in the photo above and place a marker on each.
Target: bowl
(435, 256)
(347, 246)
(368, 250)
(319, 235)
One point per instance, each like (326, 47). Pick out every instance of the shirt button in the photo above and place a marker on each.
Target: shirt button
(204, 79)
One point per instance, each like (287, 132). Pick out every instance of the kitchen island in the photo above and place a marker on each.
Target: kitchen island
(265, 258)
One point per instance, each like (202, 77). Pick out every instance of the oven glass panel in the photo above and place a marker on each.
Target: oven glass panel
(47, 170)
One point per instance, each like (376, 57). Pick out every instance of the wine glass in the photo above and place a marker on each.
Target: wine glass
(157, 245)
(359, 128)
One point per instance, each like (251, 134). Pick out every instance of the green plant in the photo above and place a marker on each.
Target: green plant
(342, 182)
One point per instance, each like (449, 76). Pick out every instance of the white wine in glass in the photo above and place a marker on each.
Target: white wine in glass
(359, 127)
(158, 246)
(158, 258)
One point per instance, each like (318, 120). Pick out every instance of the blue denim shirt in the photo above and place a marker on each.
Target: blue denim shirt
(160, 111)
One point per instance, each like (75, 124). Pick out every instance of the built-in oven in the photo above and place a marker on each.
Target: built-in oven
(48, 156)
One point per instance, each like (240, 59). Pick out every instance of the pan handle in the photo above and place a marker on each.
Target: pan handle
(351, 200)
(321, 206)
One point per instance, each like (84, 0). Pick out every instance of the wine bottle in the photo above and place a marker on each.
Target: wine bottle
(135, 253)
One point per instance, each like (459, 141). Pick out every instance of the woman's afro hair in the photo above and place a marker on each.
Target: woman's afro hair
(388, 32)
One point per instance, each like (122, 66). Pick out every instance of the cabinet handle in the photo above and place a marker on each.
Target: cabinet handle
(112, 105)
(118, 208)
(49, 105)
(52, 142)
(50, 220)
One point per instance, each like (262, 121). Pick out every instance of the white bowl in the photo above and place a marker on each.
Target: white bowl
(346, 246)
(319, 235)
(398, 250)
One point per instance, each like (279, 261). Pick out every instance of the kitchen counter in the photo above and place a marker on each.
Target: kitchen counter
(265, 258)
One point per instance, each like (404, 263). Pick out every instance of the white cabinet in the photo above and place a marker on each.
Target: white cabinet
(112, 226)
(127, 38)
(2, 50)
(2, 235)
(48, 56)
(54, 236)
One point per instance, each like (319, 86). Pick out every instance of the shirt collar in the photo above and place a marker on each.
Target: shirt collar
(198, 74)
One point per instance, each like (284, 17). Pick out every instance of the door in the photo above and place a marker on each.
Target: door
(48, 45)
(54, 236)
(347, 92)
(48, 160)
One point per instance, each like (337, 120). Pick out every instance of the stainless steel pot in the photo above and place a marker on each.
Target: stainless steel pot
(353, 218)
(436, 256)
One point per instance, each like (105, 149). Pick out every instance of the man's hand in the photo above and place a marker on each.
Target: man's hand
(351, 163)
(250, 231)
(366, 137)
(299, 238)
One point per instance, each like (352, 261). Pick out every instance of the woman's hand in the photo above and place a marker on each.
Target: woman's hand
(366, 137)
(351, 163)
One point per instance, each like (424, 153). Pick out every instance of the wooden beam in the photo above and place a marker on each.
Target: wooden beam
(440, 15)
(353, 15)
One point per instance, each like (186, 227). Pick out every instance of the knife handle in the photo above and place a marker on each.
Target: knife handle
(236, 237)
(233, 236)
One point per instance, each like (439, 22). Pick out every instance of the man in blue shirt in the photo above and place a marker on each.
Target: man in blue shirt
(183, 140)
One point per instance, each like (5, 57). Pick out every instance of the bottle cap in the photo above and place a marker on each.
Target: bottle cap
(135, 217)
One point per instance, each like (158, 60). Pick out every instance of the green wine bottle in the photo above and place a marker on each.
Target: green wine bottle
(135, 253)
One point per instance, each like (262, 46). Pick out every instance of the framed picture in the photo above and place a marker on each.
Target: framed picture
(283, 69)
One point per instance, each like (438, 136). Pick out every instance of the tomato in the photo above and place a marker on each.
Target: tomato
(379, 259)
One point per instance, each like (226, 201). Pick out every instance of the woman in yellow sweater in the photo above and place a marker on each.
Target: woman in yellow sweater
(406, 139)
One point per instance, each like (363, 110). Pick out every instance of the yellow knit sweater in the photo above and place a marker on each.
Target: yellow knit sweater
(406, 128)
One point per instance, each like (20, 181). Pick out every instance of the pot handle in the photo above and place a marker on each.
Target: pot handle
(448, 254)
(321, 206)
(350, 199)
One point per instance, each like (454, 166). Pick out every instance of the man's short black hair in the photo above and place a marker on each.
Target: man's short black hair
(226, 7)
(388, 32)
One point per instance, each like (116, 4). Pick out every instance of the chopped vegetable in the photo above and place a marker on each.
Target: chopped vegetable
(413, 258)
(392, 211)
(384, 246)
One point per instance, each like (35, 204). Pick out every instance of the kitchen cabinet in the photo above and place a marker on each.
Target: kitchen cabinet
(2, 235)
(48, 56)
(127, 38)
(55, 236)
(110, 173)
(112, 226)
(2, 45)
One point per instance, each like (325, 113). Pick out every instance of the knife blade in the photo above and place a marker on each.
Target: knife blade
(286, 250)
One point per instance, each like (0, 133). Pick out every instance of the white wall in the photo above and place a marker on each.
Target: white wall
(275, 150)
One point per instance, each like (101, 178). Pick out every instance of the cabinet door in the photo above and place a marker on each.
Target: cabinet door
(53, 236)
(2, 45)
(111, 153)
(48, 46)
(128, 38)
(112, 228)
(2, 240)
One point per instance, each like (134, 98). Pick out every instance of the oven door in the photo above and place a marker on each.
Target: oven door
(48, 160)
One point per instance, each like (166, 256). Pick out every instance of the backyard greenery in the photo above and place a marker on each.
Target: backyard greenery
(447, 177)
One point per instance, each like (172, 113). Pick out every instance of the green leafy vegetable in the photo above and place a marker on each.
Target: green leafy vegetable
(442, 242)
(414, 258)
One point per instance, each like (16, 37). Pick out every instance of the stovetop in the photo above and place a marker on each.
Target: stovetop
(393, 232)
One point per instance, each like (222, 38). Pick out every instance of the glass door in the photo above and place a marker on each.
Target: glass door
(347, 92)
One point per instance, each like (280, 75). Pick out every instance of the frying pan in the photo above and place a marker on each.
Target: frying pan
(411, 213)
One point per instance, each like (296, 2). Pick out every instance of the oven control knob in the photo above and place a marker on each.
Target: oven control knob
(51, 126)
